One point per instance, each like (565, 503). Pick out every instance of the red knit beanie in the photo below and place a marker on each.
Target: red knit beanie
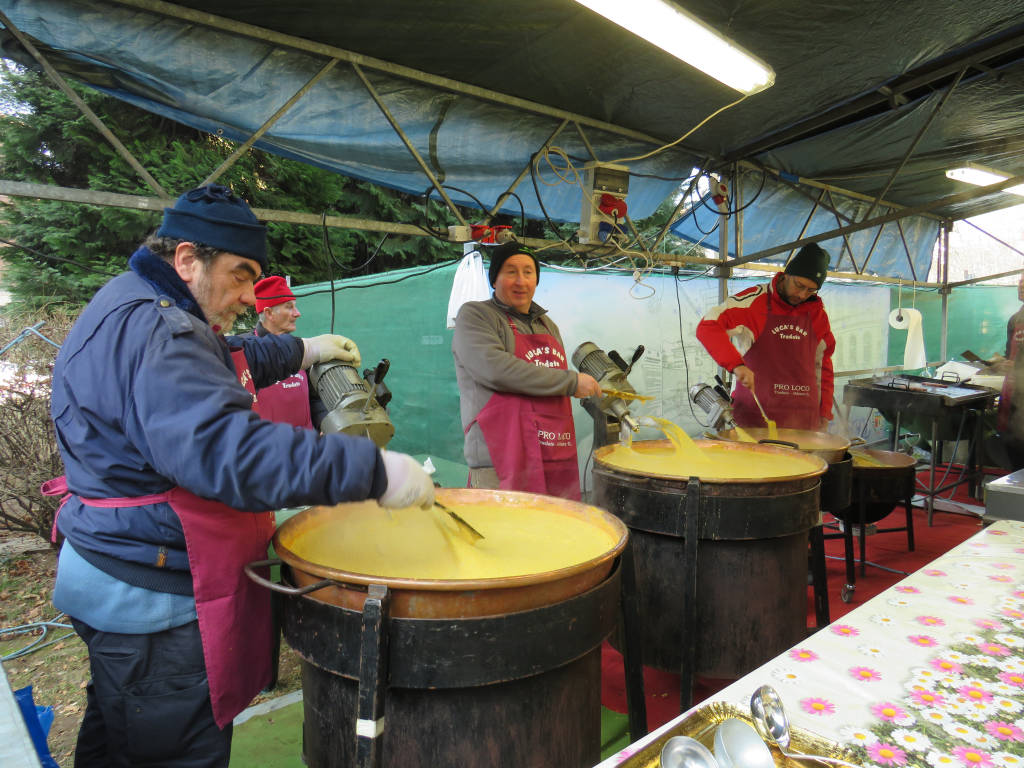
(271, 291)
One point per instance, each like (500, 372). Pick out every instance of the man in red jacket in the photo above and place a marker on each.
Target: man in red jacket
(780, 332)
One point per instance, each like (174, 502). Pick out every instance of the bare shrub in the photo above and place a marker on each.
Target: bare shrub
(28, 449)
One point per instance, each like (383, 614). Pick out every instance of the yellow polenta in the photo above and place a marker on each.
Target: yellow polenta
(424, 544)
(710, 459)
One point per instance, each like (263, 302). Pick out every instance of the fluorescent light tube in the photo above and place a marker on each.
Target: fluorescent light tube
(689, 39)
(973, 173)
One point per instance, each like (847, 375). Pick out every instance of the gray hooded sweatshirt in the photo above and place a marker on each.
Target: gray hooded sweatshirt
(485, 363)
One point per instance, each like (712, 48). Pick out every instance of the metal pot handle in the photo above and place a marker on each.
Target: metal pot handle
(780, 442)
(857, 441)
(280, 587)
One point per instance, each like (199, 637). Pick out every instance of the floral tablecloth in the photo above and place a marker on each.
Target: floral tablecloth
(928, 673)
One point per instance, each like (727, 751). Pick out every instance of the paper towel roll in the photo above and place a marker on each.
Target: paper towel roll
(910, 321)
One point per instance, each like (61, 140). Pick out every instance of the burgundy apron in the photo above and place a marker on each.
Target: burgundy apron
(531, 439)
(1007, 392)
(785, 375)
(233, 611)
(286, 402)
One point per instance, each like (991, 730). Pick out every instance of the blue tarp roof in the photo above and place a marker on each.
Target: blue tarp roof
(861, 89)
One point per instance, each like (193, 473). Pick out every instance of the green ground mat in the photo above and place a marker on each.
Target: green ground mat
(274, 740)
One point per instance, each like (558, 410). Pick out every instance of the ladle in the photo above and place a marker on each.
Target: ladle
(737, 745)
(467, 529)
(772, 433)
(771, 722)
(684, 752)
(626, 395)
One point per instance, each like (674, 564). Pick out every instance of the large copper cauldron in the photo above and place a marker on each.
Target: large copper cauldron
(472, 674)
(830, 447)
(746, 563)
(836, 484)
(436, 598)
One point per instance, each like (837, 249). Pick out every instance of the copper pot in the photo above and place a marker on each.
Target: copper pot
(452, 598)
(831, 448)
(874, 461)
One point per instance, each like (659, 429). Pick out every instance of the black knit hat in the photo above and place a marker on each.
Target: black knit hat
(503, 253)
(214, 216)
(811, 262)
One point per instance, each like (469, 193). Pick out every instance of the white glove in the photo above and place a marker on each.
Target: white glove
(320, 349)
(408, 484)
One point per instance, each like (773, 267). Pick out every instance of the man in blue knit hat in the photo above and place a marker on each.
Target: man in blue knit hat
(169, 475)
(777, 341)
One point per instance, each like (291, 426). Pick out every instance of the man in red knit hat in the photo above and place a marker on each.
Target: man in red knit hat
(290, 400)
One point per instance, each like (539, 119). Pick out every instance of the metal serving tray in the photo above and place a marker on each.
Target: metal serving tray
(701, 725)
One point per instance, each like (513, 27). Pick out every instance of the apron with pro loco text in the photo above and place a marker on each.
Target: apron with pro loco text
(233, 611)
(286, 402)
(531, 439)
(785, 376)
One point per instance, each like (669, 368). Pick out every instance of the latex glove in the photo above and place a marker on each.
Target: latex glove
(320, 349)
(408, 484)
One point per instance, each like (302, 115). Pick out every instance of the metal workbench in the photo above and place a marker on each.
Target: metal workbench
(944, 403)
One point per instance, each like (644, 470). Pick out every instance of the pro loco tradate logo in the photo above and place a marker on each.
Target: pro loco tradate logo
(799, 390)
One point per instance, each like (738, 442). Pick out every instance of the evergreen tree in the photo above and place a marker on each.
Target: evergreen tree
(65, 251)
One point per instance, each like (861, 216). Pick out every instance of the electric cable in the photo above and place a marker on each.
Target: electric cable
(484, 208)
(351, 270)
(574, 178)
(949, 465)
(330, 266)
(38, 643)
(443, 236)
(540, 202)
(683, 137)
(522, 214)
(432, 268)
(682, 344)
(734, 211)
(693, 212)
(638, 174)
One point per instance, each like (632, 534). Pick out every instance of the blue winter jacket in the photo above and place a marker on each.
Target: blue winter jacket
(145, 398)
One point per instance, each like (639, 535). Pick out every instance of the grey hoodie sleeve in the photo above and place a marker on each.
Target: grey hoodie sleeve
(482, 346)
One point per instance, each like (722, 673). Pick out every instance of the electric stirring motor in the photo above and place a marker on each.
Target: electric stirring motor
(355, 404)
(716, 402)
(610, 375)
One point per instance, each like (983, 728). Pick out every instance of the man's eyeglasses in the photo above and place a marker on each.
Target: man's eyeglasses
(800, 284)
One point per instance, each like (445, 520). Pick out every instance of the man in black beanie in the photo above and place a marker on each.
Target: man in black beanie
(169, 476)
(515, 385)
(781, 332)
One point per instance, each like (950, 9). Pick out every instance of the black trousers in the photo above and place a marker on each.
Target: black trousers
(149, 702)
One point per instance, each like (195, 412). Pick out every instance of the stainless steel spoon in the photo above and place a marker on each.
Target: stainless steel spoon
(684, 752)
(771, 722)
(737, 745)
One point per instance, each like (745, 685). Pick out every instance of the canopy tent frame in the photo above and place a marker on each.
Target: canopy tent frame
(357, 61)
(949, 73)
(987, 57)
